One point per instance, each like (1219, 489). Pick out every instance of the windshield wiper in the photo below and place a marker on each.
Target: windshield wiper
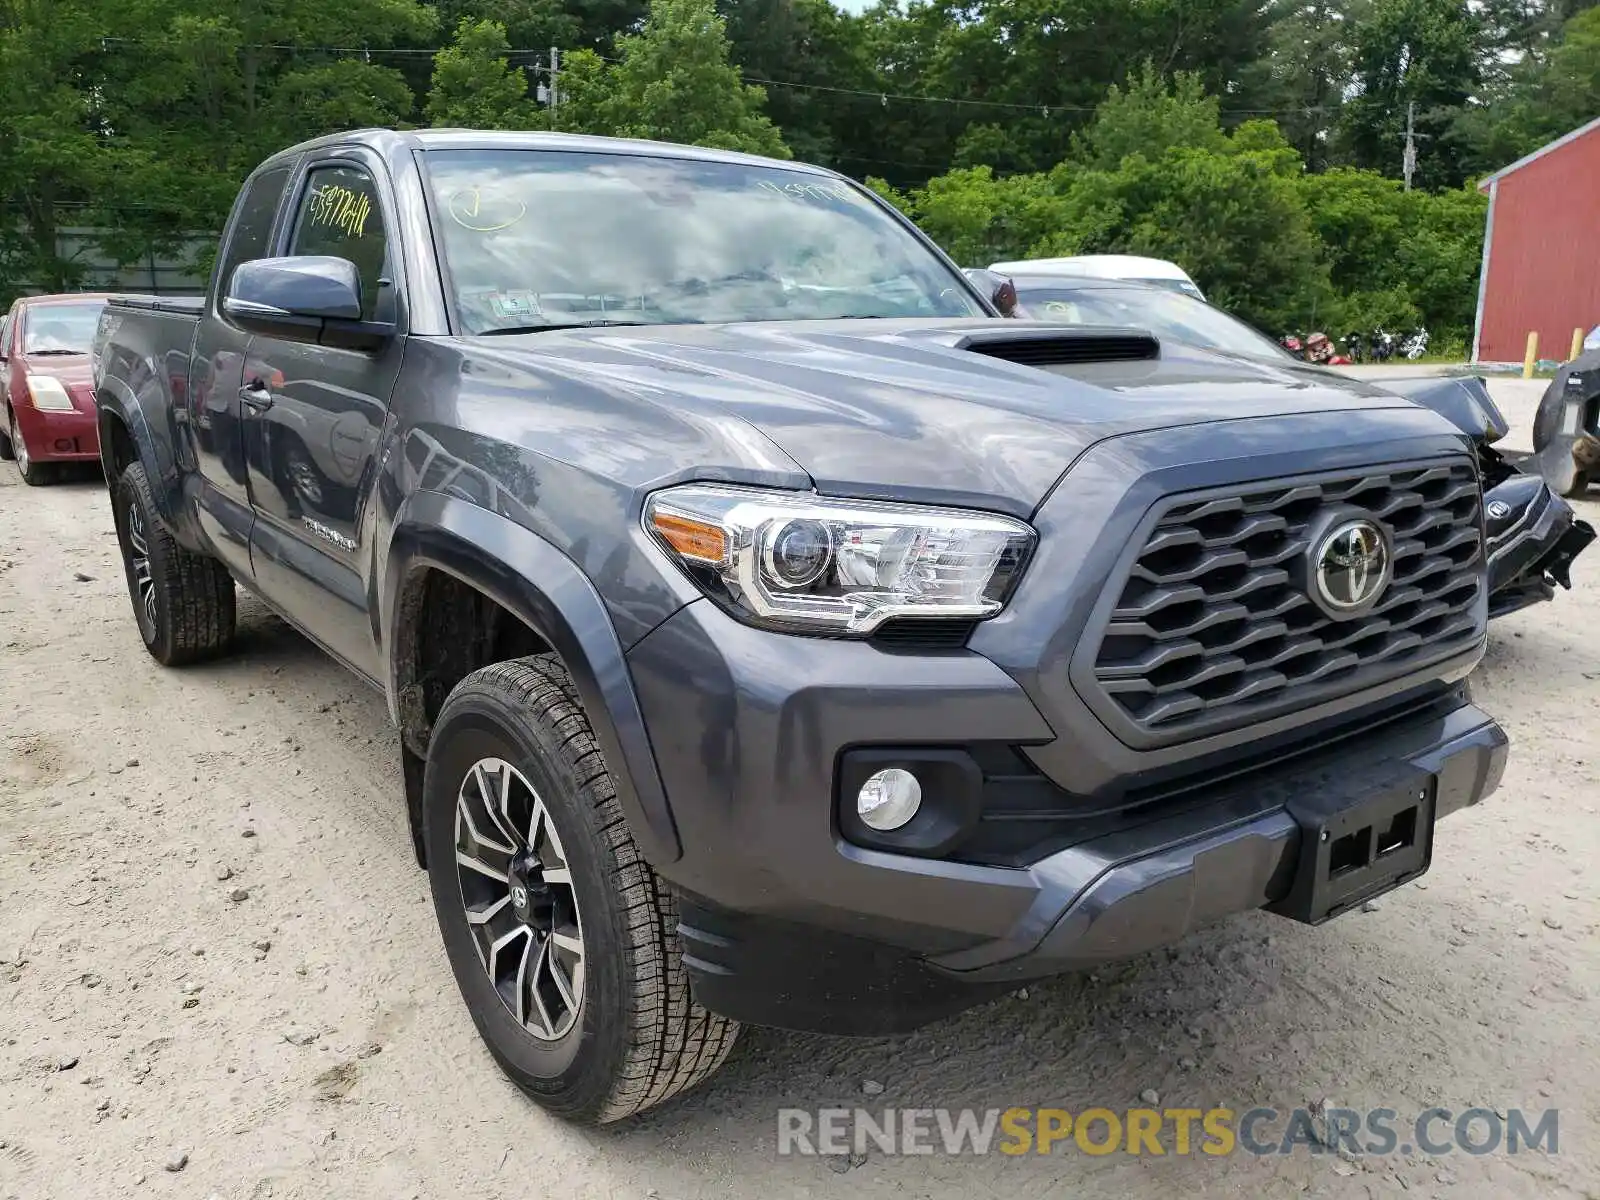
(548, 326)
(53, 350)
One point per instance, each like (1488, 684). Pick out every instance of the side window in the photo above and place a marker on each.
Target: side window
(252, 232)
(340, 215)
(5, 336)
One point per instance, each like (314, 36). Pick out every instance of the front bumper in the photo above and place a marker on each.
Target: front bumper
(1533, 548)
(785, 922)
(58, 436)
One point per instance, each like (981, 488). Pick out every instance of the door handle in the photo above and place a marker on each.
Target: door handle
(256, 397)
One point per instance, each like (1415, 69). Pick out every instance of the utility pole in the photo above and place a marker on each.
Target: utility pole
(555, 77)
(1408, 163)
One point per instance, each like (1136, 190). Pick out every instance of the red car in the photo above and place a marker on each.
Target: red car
(48, 396)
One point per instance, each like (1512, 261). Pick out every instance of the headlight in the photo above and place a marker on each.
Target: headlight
(810, 564)
(48, 394)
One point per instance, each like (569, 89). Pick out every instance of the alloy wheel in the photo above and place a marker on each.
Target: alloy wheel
(18, 446)
(144, 581)
(516, 885)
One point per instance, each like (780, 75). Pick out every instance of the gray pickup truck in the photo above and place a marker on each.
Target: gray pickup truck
(773, 634)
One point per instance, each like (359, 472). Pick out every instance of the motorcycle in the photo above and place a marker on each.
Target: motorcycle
(1319, 351)
(1416, 345)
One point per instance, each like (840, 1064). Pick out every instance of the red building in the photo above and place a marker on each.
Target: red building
(1541, 251)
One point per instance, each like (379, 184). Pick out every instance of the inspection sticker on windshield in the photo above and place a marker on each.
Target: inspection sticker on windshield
(515, 304)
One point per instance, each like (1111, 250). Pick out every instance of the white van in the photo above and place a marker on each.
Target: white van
(1154, 271)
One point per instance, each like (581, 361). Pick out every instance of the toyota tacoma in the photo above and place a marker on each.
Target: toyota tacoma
(773, 634)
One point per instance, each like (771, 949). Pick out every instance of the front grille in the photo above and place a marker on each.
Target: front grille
(1213, 626)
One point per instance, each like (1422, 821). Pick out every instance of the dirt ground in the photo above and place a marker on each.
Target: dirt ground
(200, 869)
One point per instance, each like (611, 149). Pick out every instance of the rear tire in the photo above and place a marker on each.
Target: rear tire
(632, 1036)
(183, 602)
(7, 454)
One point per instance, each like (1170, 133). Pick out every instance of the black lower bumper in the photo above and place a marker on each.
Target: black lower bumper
(1256, 842)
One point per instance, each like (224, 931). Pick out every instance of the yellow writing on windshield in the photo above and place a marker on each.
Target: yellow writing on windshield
(485, 212)
(341, 208)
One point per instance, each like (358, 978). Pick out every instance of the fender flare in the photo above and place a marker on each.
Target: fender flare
(1464, 401)
(115, 398)
(548, 593)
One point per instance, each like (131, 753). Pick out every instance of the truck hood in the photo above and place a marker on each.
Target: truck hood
(909, 409)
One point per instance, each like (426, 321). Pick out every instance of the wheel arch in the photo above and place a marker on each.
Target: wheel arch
(125, 437)
(445, 550)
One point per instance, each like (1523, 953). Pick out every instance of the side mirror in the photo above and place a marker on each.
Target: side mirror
(1001, 291)
(307, 298)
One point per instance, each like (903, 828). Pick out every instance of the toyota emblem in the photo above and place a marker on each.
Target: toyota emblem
(1351, 567)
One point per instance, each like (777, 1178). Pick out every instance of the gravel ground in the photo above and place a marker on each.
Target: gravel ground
(220, 975)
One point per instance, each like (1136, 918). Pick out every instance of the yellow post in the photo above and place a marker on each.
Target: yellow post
(1577, 343)
(1532, 356)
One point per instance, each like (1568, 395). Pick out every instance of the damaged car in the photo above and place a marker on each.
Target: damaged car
(1566, 430)
(1533, 534)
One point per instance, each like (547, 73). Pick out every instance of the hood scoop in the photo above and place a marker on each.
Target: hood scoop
(1054, 346)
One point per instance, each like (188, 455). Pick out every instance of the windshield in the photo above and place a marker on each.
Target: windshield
(1167, 314)
(61, 328)
(540, 239)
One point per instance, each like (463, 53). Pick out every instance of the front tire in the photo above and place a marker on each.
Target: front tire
(562, 939)
(33, 474)
(184, 602)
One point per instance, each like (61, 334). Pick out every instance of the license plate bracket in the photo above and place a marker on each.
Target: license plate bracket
(1352, 849)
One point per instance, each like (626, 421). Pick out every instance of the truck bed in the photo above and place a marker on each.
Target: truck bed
(178, 306)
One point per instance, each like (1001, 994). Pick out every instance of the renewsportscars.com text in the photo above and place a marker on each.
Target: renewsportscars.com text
(1162, 1131)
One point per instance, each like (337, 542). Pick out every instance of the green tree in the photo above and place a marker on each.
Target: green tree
(675, 83)
(585, 93)
(344, 94)
(1426, 52)
(817, 48)
(1550, 92)
(474, 84)
(1150, 116)
(1234, 221)
(1440, 257)
(1304, 72)
(63, 167)
(978, 218)
(1571, 86)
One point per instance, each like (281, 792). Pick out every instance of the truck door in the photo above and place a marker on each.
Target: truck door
(214, 438)
(314, 416)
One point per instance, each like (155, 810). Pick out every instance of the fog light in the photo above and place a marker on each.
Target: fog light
(888, 799)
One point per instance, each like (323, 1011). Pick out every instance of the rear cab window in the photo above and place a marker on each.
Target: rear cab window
(340, 215)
